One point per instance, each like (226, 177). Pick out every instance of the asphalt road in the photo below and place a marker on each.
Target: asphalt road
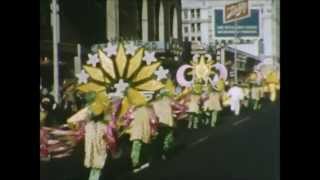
(239, 148)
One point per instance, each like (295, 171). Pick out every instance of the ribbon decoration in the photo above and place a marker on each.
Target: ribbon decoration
(111, 138)
(128, 117)
(154, 122)
(179, 110)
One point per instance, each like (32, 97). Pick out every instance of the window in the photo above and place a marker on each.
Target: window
(186, 38)
(198, 13)
(186, 29)
(199, 38)
(193, 38)
(185, 12)
(198, 27)
(241, 65)
(193, 27)
(192, 13)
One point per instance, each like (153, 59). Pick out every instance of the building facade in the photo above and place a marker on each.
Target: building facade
(202, 21)
(146, 20)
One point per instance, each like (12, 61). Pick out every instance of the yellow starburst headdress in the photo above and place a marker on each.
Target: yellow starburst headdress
(204, 71)
(121, 77)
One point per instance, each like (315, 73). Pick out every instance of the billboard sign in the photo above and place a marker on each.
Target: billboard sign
(248, 27)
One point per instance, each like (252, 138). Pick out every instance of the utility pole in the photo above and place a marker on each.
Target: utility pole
(77, 61)
(55, 24)
(235, 52)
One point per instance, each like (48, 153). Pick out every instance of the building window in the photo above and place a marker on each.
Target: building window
(185, 13)
(186, 38)
(192, 13)
(186, 29)
(198, 27)
(193, 38)
(199, 38)
(193, 29)
(198, 13)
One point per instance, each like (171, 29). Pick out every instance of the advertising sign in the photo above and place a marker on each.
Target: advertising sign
(248, 27)
(236, 11)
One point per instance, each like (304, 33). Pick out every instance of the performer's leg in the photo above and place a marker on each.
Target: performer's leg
(214, 116)
(94, 174)
(168, 140)
(255, 105)
(208, 117)
(237, 107)
(135, 152)
(196, 121)
(190, 120)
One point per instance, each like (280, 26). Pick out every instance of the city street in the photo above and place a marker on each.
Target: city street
(239, 148)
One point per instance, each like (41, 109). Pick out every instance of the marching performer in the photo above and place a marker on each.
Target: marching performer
(212, 105)
(236, 95)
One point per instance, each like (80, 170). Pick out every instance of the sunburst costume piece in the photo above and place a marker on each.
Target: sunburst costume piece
(124, 77)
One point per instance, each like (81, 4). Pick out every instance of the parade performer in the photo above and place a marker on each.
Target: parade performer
(203, 74)
(212, 105)
(125, 76)
(271, 78)
(272, 82)
(236, 95)
(48, 107)
(246, 93)
(163, 109)
(194, 108)
(93, 119)
(255, 90)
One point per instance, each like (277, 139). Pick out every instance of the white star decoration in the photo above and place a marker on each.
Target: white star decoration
(131, 49)
(195, 57)
(161, 73)
(93, 60)
(121, 86)
(149, 57)
(82, 77)
(110, 50)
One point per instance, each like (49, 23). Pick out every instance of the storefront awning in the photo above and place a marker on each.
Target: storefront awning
(231, 49)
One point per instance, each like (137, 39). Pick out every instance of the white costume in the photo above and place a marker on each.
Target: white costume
(236, 94)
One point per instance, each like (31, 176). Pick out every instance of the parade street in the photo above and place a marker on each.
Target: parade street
(239, 148)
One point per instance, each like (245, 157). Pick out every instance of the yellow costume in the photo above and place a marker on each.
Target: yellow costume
(139, 128)
(163, 111)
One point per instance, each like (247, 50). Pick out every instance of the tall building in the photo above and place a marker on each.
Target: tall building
(196, 21)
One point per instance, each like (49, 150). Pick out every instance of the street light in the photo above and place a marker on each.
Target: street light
(55, 23)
